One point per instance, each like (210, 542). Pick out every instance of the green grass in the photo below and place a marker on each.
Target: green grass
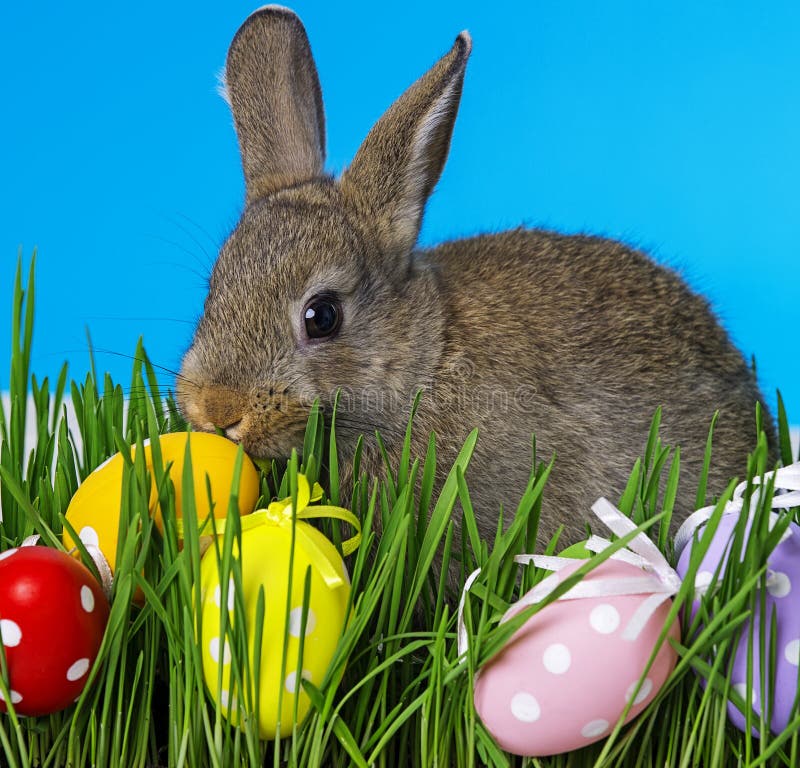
(396, 692)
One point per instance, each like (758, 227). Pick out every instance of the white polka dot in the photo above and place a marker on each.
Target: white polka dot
(218, 594)
(702, 582)
(78, 670)
(89, 537)
(778, 584)
(792, 652)
(213, 649)
(291, 680)
(604, 619)
(10, 633)
(225, 700)
(644, 691)
(525, 707)
(8, 553)
(16, 697)
(741, 689)
(87, 599)
(296, 619)
(557, 658)
(594, 728)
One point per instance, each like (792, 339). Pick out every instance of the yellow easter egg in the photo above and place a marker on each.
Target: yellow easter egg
(94, 510)
(266, 547)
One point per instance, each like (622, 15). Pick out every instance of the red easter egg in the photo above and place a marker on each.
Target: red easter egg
(53, 614)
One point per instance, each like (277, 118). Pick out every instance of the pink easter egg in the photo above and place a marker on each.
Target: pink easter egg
(565, 677)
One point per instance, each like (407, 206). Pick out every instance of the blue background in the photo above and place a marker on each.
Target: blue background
(675, 127)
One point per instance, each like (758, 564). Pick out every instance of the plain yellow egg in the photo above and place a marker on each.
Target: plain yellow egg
(265, 563)
(94, 510)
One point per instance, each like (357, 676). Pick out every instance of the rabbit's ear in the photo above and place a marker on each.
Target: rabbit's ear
(400, 161)
(273, 89)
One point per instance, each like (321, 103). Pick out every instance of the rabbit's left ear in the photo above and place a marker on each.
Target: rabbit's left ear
(273, 89)
(400, 161)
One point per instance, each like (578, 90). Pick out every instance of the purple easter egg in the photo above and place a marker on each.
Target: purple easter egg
(782, 598)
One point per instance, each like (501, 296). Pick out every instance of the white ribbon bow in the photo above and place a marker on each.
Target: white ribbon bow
(786, 496)
(103, 568)
(658, 580)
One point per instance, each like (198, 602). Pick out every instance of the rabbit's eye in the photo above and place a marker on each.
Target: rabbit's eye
(322, 316)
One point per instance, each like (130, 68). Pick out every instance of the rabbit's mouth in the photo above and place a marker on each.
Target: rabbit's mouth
(273, 438)
(269, 423)
(234, 431)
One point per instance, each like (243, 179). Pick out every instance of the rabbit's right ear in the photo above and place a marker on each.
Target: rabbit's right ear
(400, 161)
(274, 93)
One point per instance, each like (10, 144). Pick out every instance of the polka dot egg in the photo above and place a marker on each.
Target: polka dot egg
(52, 618)
(265, 564)
(565, 677)
(783, 598)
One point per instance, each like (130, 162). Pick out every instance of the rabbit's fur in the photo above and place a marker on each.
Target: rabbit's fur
(576, 339)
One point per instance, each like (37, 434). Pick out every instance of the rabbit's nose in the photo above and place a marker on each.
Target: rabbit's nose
(224, 408)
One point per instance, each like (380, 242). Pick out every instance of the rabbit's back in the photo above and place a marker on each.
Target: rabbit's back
(579, 340)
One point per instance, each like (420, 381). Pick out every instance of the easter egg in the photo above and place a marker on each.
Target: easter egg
(264, 559)
(783, 599)
(564, 678)
(52, 618)
(94, 509)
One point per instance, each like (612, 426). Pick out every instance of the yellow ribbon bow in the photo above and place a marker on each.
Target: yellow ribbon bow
(279, 514)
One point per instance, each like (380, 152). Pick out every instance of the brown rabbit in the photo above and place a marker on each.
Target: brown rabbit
(320, 286)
